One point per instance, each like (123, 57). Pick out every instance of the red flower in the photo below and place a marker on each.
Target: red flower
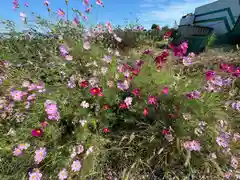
(210, 74)
(237, 72)
(106, 130)
(37, 132)
(168, 34)
(227, 67)
(84, 84)
(136, 71)
(152, 100)
(171, 45)
(165, 90)
(123, 106)
(126, 66)
(162, 58)
(96, 91)
(165, 131)
(106, 107)
(147, 51)
(145, 112)
(136, 92)
(44, 124)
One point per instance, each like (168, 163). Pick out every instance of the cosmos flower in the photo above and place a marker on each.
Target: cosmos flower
(40, 155)
(192, 145)
(36, 175)
(37, 132)
(46, 3)
(61, 12)
(76, 166)
(17, 152)
(17, 95)
(63, 174)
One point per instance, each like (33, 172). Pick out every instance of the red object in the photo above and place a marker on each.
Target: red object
(236, 72)
(136, 71)
(152, 100)
(165, 131)
(96, 91)
(106, 130)
(147, 51)
(168, 34)
(37, 132)
(171, 46)
(227, 67)
(106, 107)
(165, 90)
(44, 124)
(123, 106)
(84, 84)
(145, 112)
(210, 74)
(162, 58)
(136, 92)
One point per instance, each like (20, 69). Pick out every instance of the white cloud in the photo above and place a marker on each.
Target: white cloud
(165, 12)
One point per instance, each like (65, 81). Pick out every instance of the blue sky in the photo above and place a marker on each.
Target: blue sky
(162, 12)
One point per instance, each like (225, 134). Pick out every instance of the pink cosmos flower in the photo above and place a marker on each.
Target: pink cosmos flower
(23, 15)
(165, 90)
(26, 4)
(123, 85)
(23, 146)
(61, 12)
(192, 145)
(17, 95)
(76, 166)
(15, 4)
(80, 149)
(51, 109)
(17, 152)
(76, 21)
(55, 117)
(99, 2)
(193, 95)
(46, 3)
(31, 97)
(128, 101)
(36, 175)
(86, 2)
(40, 155)
(86, 45)
(152, 100)
(109, 26)
(63, 174)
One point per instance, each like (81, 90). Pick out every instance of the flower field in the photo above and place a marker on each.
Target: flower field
(81, 103)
